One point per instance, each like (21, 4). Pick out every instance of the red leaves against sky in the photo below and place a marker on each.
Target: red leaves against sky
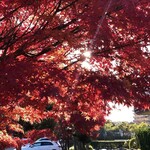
(40, 38)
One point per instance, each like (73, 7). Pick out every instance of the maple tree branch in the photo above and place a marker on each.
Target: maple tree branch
(117, 48)
(63, 26)
(75, 30)
(11, 37)
(117, 8)
(12, 30)
(10, 34)
(26, 31)
(10, 13)
(44, 51)
(66, 67)
(70, 4)
(43, 26)
(104, 51)
(58, 6)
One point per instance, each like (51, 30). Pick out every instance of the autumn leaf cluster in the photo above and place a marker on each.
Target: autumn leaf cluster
(42, 62)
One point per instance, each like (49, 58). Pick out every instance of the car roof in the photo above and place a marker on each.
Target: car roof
(45, 139)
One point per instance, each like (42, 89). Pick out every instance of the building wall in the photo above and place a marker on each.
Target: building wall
(142, 118)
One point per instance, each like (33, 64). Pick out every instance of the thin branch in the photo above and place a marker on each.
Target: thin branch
(116, 48)
(63, 26)
(10, 13)
(65, 7)
(58, 6)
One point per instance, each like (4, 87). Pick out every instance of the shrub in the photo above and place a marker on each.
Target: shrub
(143, 136)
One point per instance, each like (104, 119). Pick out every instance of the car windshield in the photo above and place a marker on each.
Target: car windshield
(43, 139)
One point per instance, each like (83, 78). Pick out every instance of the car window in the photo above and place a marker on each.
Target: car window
(36, 144)
(46, 143)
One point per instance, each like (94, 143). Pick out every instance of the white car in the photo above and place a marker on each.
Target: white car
(43, 144)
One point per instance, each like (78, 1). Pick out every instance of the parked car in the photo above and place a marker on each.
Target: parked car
(43, 144)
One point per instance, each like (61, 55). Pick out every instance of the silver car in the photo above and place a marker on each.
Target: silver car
(43, 144)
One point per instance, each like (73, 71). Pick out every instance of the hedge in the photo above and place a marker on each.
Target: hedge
(143, 137)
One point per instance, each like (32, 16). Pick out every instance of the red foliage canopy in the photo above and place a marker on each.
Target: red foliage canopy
(42, 47)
